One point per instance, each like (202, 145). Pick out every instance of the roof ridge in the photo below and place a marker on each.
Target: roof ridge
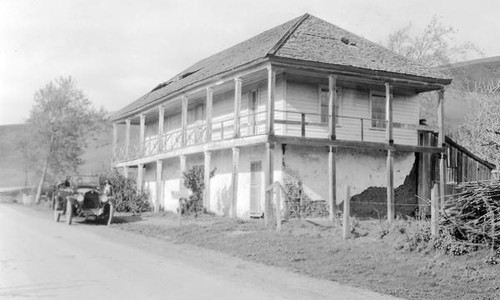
(287, 34)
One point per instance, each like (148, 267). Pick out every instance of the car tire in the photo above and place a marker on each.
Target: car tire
(69, 212)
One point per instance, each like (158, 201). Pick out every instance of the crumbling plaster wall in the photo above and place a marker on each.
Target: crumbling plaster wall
(360, 169)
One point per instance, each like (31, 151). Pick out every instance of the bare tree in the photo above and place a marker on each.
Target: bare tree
(61, 122)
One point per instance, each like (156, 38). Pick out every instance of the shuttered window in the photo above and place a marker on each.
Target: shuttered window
(377, 110)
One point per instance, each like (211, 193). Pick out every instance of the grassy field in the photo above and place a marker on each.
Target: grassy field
(315, 248)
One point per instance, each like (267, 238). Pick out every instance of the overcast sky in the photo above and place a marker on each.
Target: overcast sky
(118, 50)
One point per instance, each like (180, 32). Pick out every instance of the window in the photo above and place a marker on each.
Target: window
(378, 110)
(324, 100)
(196, 114)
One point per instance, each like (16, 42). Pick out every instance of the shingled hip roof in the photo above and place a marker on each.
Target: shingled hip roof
(305, 38)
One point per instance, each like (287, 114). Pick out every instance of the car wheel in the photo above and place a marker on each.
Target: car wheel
(69, 212)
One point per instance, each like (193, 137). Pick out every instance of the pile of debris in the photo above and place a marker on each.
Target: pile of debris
(472, 214)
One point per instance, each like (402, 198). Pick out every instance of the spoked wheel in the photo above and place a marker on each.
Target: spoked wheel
(69, 212)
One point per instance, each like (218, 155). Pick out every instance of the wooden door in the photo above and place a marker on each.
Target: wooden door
(255, 188)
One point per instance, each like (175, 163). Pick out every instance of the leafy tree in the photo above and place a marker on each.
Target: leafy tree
(60, 124)
(194, 180)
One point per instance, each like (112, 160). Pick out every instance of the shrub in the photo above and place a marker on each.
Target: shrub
(194, 180)
(128, 198)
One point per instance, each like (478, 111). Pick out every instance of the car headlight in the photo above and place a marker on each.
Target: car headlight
(79, 198)
(104, 198)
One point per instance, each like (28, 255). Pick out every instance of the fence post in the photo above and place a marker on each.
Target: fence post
(434, 209)
(347, 211)
(278, 207)
(180, 212)
(303, 124)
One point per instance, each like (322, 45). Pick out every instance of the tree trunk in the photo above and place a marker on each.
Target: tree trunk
(42, 179)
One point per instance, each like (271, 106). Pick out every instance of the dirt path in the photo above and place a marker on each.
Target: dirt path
(45, 260)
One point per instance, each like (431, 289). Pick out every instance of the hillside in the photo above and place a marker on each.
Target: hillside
(12, 165)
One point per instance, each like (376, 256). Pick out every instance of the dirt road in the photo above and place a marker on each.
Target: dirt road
(41, 259)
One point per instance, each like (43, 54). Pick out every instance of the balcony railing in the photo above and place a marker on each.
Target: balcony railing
(287, 123)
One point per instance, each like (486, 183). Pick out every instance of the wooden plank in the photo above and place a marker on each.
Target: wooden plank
(184, 117)
(268, 179)
(115, 138)
(237, 106)
(278, 208)
(125, 171)
(390, 186)
(161, 124)
(332, 183)
(140, 172)
(159, 185)
(332, 102)
(434, 209)
(346, 230)
(234, 181)
(142, 128)
(440, 115)
(441, 142)
(182, 170)
(209, 112)
(388, 113)
(206, 179)
(271, 85)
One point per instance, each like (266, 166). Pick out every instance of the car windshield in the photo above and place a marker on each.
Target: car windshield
(85, 181)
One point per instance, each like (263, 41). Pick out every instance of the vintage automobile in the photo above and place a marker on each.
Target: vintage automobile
(85, 198)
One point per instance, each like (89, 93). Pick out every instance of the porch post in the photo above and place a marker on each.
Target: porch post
(127, 137)
(161, 123)
(184, 116)
(332, 182)
(268, 180)
(115, 139)
(271, 84)
(237, 106)
(141, 133)
(140, 171)
(125, 172)
(234, 182)
(210, 95)
(182, 169)
(441, 143)
(159, 185)
(390, 152)
(332, 103)
(206, 179)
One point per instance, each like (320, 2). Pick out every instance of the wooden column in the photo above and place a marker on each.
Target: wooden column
(182, 169)
(234, 181)
(140, 172)
(271, 86)
(125, 172)
(237, 106)
(142, 129)
(390, 185)
(332, 102)
(161, 124)
(441, 143)
(390, 153)
(210, 96)
(184, 117)
(206, 179)
(159, 185)
(115, 139)
(268, 180)
(332, 182)
(127, 136)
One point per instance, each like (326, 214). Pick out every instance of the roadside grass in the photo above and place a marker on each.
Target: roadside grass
(375, 258)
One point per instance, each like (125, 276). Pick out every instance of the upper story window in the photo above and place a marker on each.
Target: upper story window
(324, 99)
(196, 114)
(377, 106)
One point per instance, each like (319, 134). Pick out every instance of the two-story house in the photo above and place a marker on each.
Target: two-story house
(305, 100)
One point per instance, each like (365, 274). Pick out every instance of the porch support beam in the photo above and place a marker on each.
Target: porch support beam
(271, 86)
(268, 180)
(161, 124)
(159, 185)
(237, 106)
(115, 139)
(332, 103)
(142, 129)
(184, 117)
(127, 137)
(234, 182)
(390, 152)
(210, 95)
(125, 171)
(206, 179)
(182, 169)
(441, 143)
(140, 172)
(332, 182)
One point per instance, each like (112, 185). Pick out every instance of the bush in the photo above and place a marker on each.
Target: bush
(194, 179)
(128, 198)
